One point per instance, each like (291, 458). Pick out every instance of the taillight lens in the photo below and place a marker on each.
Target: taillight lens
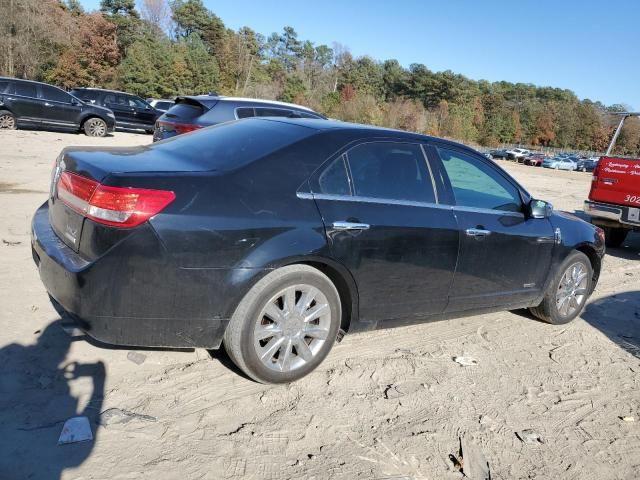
(179, 128)
(113, 206)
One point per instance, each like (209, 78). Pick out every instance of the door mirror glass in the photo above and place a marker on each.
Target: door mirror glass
(540, 209)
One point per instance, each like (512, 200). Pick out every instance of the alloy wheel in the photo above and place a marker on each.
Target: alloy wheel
(572, 289)
(292, 328)
(97, 128)
(7, 121)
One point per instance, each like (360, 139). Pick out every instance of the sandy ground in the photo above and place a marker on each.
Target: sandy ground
(385, 405)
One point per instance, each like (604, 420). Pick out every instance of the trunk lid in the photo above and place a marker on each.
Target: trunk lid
(617, 181)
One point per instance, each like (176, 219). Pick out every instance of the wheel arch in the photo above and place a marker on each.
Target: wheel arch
(337, 273)
(595, 260)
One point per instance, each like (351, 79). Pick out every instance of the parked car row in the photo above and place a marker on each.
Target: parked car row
(563, 161)
(97, 111)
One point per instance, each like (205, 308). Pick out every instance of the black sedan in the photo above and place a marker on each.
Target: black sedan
(499, 154)
(277, 236)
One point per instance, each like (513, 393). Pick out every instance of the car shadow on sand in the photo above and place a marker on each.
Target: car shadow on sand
(35, 401)
(618, 317)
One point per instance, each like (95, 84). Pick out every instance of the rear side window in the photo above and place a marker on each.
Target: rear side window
(334, 180)
(476, 184)
(164, 105)
(245, 112)
(55, 94)
(390, 170)
(272, 112)
(26, 89)
(231, 145)
(306, 115)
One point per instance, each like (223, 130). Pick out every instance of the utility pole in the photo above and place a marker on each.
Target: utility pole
(624, 116)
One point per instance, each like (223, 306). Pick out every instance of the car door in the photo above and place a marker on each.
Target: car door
(504, 255)
(59, 108)
(384, 223)
(119, 105)
(24, 101)
(143, 113)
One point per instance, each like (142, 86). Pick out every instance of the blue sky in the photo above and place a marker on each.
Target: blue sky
(591, 46)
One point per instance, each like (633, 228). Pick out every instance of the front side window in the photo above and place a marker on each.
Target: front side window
(4, 84)
(55, 94)
(26, 89)
(476, 184)
(110, 99)
(390, 170)
(137, 103)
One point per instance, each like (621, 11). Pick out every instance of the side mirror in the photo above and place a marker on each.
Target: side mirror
(540, 209)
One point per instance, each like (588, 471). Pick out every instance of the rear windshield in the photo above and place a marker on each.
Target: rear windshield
(185, 111)
(234, 144)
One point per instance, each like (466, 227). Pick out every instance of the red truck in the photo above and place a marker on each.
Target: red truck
(614, 198)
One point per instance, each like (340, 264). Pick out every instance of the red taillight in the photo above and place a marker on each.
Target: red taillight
(179, 128)
(113, 206)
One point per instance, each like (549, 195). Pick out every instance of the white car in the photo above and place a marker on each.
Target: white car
(160, 104)
(516, 153)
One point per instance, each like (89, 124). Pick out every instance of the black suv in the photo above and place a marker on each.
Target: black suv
(194, 112)
(131, 111)
(26, 103)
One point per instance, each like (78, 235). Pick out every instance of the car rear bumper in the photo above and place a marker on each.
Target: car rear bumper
(609, 215)
(127, 299)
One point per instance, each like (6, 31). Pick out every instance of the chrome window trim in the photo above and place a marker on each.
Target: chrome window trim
(433, 180)
(407, 203)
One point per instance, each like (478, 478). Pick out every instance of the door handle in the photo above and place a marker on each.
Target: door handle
(47, 104)
(477, 232)
(350, 226)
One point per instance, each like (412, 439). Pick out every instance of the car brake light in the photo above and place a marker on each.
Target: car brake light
(114, 206)
(179, 128)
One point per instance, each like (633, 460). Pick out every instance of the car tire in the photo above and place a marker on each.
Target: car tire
(149, 131)
(7, 120)
(95, 127)
(584, 169)
(615, 237)
(562, 301)
(275, 310)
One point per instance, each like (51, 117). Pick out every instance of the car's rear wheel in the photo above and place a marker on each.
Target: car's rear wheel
(7, 120)
(95, 127)
(285, 325)
(567, 294)
(614, 237)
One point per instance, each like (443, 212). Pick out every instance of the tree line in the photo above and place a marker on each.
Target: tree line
(171, 47)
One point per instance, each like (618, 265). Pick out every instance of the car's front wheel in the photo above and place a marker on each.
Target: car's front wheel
(567, 294)
(285, 325)
(7, 120)
(95, 127)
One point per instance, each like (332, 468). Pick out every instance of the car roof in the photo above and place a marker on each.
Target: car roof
(104, 90)
(221, 98)
(318, 124)
(13, 79)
